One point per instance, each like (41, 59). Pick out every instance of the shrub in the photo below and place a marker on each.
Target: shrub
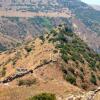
(64, 70)
(70, 79)
(28, 49)
(42, 38)
(84, 86)
(99, 78)
(27, 82)
(3, 72)
(61, 38)
(45, 61)
(81, 76)
(71, 70)
(93, 64)
(75, 56)
(93, 79)
(43, 96)
(54, 32)
(55, 51)
(65, 57)
(81, 69)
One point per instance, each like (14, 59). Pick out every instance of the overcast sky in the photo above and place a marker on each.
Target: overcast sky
(96, 2)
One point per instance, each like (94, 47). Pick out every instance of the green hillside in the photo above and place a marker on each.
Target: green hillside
(89, 16)
(73, 49)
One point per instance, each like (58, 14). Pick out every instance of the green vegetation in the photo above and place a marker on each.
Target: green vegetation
(13, 19)
(42, 38)
(3, 71)
(84, 86)
(55, 51)
(93, 79)
(75, 50)
(27, 82)
(42, 22)
(2, 48)
(86, 14)
(65, 57)
(44, 96)
(28, 49)
(70, 78)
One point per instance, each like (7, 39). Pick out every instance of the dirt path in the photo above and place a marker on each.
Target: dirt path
(33, 14)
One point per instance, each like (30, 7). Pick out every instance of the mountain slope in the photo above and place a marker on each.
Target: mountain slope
(55, 61)
(74, 49)
(37, 55)
(7, 42)
(89, 16)
(24, 29)
(86, 34)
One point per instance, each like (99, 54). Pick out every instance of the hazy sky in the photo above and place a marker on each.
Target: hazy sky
(97, 2)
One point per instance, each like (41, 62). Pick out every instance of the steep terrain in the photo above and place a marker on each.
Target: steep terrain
(47, 52)
(7, 42)
(84, 12)
(86, 34)
(24, 29)
(88, 19)
(49, 64)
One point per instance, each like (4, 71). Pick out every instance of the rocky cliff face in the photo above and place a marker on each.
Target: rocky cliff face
(91, 95)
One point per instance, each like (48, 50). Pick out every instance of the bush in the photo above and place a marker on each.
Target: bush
(64, 70)
(82, 76)
(65, 57)
(99, 78)
(45, 61)
(43, 96)
(93, 64)
(70, 79)
(62, 38)
(28, 49)
(71, 70)
(75, 56)
(81, 69)
(3, 72)
(26, 82)
(42, 38)
(84, 86)
(93, 79)
(55, 51)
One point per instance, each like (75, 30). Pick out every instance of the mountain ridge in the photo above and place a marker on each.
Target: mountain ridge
(56, 58)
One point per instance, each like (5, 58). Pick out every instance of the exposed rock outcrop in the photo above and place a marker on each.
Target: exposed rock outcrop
(84, 96)
(14, 76)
